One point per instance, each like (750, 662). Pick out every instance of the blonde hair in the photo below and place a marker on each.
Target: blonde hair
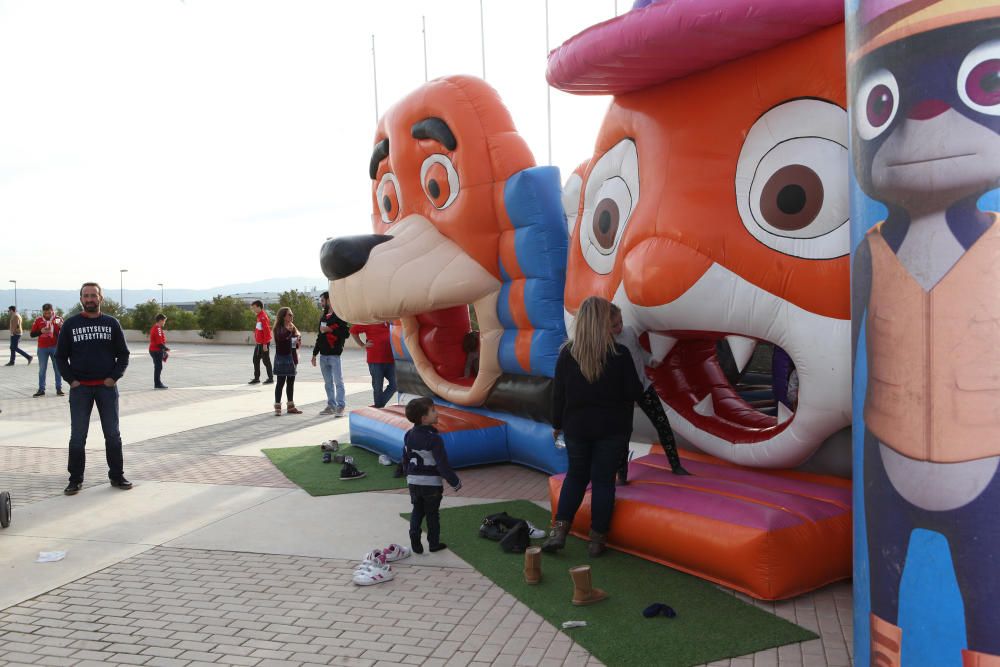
(592, 341)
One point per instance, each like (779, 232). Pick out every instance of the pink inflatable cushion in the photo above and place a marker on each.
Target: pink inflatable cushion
(670, 39)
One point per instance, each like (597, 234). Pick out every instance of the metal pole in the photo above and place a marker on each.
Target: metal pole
(375, 78)
(162, 303)
(548, 88)
(15, 292)
(121, 287)
(423, 20)
(616, 7)
(482, 37)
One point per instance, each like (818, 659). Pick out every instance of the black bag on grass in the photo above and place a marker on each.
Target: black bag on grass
(512, 533)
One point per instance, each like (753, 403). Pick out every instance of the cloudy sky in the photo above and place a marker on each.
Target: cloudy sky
(203, 142)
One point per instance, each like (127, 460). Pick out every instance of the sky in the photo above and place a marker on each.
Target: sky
(205, 142)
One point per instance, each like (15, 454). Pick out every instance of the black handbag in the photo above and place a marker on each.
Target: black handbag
(515, 540)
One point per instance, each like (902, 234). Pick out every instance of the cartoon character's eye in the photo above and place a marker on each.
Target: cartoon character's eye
(439, 180)
(610, 196)
(979, 78)
(876, 104)
(791, 180)
(388, 197)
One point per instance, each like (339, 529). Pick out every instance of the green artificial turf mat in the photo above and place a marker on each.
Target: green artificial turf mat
(305, 467)
(710, 624)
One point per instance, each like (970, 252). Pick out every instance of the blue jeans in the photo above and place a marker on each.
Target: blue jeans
(593, 460)
(81, 404)
(44, 354)
(157, 367)
(382, 373)
(14, 349)
(333, 380)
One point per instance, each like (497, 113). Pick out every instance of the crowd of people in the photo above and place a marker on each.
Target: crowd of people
(599, 378)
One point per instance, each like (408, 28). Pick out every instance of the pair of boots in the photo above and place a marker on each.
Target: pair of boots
(669, 447)
(557, 540)
(584, 592)
(887, 645)
(292, 410)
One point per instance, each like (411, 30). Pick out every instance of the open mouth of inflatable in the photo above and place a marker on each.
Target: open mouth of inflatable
(442, 335)
(691, 380)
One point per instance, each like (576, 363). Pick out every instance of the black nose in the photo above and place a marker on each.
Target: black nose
(341, 257)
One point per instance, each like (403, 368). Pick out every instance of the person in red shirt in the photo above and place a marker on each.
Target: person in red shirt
(380, 362)
(158, 349)
(46, 330)
(262, 349)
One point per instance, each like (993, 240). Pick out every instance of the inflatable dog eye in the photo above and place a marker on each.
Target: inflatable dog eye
(791, 180)
(389, 198)
(611, 194)
(439, 180)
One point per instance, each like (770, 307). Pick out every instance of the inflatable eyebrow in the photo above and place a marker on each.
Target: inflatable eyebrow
(925, 96)
(463, 222)
(714, 212)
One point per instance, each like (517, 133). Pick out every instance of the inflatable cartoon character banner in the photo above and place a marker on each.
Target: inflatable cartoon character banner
(925, 112)
(714, 212)
(464, 223)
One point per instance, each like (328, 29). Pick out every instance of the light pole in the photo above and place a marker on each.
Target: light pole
(162, 303)
(121, 287)
(15, 292)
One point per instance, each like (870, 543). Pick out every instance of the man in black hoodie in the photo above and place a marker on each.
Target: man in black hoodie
(92, 356)
(333, 331)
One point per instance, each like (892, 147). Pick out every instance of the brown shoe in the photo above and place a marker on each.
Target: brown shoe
(557, 538)
(583, 592)
(532, 565)
(598, 544)
(292, 410)
(277, 409)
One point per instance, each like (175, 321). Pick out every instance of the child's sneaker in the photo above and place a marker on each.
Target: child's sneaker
(349, 472)
(376, 571)
(395, 552)
(372, 556)
(330, 446)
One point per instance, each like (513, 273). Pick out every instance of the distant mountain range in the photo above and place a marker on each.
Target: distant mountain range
(32, 299)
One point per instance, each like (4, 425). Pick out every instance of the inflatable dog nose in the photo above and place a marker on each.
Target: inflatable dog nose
(343, 256)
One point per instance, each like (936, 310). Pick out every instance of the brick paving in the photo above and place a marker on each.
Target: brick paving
(176, 606)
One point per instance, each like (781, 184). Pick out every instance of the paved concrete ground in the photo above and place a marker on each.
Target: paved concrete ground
(216, 558)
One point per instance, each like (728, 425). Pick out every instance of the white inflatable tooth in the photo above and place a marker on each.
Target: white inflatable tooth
(660, 346)
(784, 413)
(742, 349)
(705, 407)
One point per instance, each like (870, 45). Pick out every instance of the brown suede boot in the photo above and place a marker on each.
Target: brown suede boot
(583, 592)
(532, 565)
(277, 409)
(598, 544)
(887, 643)
(557, 538)
(977, 659)
(292, 410)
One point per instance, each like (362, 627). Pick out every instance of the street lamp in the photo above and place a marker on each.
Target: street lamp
(15, 292)
(162, 304)
(121, 286)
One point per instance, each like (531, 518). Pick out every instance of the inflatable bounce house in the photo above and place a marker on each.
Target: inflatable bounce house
(466, 226)
(925, 96)
(713, 211)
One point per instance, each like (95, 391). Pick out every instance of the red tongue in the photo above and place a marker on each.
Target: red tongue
(690, 373)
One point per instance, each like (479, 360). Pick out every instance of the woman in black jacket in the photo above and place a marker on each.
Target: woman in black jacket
(594, 389)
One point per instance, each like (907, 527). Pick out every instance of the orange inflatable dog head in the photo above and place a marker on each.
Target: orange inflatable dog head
(445, 170)
(716, 206)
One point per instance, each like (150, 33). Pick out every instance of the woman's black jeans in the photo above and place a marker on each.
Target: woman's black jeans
(594, 461)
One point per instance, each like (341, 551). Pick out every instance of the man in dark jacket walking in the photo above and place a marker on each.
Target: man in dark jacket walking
(333, 331)
(92, 356)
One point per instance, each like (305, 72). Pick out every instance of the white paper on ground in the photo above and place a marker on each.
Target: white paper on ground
(574, 624)
(50, 556)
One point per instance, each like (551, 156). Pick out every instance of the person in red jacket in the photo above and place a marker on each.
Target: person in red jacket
(262, 349)
(158, 349)
(46, 330)
(380, 362)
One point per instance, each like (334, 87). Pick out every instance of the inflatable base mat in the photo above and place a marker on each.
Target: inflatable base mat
(770, 534)
(470, 439)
